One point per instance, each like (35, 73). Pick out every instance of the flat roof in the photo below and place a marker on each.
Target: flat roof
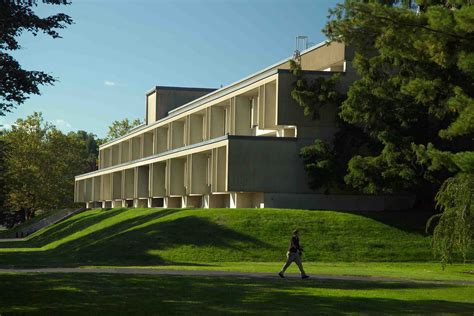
(156, 88)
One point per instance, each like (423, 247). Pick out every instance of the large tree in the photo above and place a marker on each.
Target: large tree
(414, 100)
(17, 17)
(415, 97)
(40, 165)
(92, 146)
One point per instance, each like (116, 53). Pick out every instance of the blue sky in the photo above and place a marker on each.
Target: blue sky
(117, 50)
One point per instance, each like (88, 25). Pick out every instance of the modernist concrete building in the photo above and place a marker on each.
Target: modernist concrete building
(237, 146)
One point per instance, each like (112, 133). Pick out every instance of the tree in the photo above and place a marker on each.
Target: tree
(120, 128)
(16, 17)
(415, 98)
(2, 175)
(40, 164)
(91, 142)
(325, 163)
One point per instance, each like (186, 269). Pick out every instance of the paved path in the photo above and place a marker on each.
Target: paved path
(259, 275)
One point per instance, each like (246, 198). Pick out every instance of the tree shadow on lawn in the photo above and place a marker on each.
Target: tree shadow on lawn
(135, 241)
(93, 293)
(62, 229)
(408, 220)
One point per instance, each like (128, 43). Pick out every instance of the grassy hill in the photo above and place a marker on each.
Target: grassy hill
(156, 236)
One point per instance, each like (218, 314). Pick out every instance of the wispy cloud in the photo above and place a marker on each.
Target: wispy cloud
(5, 126)
(109, 83)
(61, 123)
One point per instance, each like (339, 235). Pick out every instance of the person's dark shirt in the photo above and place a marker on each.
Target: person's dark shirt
(294, 244)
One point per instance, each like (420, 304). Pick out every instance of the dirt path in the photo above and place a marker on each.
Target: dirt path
(208, 273)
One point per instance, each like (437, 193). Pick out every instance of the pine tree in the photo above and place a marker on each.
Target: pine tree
(415, 99)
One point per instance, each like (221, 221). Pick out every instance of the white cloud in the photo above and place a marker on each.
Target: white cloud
(109, 83)
(61, 123)
(5, 126)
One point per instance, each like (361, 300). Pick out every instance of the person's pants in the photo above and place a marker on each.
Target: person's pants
(293, 256)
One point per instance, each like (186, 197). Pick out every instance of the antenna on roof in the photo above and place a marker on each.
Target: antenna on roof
(301, 43)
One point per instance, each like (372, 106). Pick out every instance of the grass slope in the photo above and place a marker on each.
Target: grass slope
(138, 294)
(157, 236)
(24, 227)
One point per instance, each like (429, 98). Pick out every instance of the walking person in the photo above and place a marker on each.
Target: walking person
(294, 254)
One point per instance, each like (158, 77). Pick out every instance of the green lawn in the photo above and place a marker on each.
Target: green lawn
(397, 270)
(23, 227)
(149, 237)
(384, 244)
(138, 294)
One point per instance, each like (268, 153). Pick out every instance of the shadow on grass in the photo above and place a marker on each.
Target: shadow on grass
(92, 293)
(408, 221)
(134, 241)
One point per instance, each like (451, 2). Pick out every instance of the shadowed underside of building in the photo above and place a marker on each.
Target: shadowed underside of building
(237, 146)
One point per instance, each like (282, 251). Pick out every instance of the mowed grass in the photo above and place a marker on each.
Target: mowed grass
(23, 227)
(145, 294)
(149, 237)
(431, 271)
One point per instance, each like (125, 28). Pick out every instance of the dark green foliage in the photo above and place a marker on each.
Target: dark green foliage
(40, 163)
(320, 164)
(415, 87)
(455, 230)
(17, 17)
(415, 96)
(312, 95)
(91, 143)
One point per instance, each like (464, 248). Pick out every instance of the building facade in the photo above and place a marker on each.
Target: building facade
(237, 146)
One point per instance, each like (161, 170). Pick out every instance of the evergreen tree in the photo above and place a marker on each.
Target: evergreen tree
(415, 96)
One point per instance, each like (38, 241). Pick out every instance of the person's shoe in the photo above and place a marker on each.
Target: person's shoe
(281, 275)
(305, 276)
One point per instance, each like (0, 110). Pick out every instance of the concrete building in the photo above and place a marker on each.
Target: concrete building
(237, 146)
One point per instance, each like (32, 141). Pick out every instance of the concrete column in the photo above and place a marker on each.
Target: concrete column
(205, 201)
(233, 200)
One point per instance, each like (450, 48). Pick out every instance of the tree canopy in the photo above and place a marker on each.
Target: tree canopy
(17, 17)
(40, 162)
(121, 127)
(413, 102)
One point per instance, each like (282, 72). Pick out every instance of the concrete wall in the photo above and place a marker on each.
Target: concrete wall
(165, 99)
(117, 185)
(161, 141)
(176, 177)
(148, 144)
(136, 147)
(129, 183)
(338, 202)
(143, 181)
(265, 164)
(177, 134)
(125, 151)
(323, 57)
(217, 121)
(198, 173)
(196, 131)
(243, 116)
(158, 179)
(219, 181)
